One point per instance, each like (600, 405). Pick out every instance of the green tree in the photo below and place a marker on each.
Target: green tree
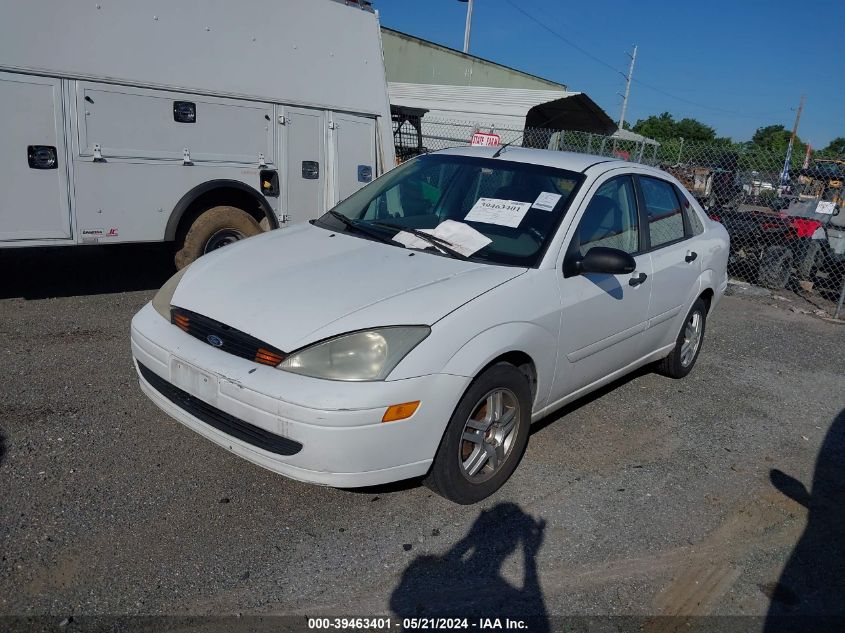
(836, 146)
(771, 137)
(693, 130)
(774, 139)
(663, 127)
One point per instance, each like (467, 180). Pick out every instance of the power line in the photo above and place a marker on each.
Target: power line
(561, 37)
(637, 81)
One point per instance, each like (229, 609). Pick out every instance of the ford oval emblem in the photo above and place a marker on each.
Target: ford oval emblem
(215, 340)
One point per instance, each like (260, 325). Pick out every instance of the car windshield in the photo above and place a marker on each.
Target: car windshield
(484, 209)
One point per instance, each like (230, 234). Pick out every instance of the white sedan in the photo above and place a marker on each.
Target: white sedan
(419, 327)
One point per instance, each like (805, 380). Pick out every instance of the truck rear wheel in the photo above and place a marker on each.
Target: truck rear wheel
(215, 228)
(775, 268)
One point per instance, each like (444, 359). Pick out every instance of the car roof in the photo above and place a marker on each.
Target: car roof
(573, 161)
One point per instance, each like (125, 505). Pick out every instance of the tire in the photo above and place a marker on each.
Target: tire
(449, 476)
(808, 263)
(775, 268)
(214, 229)
(679, 363)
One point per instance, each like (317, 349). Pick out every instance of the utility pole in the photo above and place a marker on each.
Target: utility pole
(627, 87)
(797, 120)
(468, 28)
(787, 163)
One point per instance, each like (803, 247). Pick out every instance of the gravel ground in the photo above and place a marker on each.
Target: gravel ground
(651, 497)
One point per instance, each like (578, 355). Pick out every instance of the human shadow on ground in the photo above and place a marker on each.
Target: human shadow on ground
(810, 593)
(467, 581)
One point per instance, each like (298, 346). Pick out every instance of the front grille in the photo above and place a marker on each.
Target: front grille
(230, 340)
(220, 420)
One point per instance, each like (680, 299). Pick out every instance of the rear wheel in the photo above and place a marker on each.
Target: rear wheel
(213, 229)
(485, 438)
(775, 268)
(808, 263)
(688, 344)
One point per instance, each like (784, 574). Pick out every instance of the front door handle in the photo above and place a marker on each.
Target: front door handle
(637, 279)
(691, 255)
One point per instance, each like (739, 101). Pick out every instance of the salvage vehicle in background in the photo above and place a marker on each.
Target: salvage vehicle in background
(196, 123)
(792, 239)
(420, 326)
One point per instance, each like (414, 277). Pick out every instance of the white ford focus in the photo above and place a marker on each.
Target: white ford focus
(420, 326)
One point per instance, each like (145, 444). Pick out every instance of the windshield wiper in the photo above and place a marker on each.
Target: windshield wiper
(439, 243)
(355, 226)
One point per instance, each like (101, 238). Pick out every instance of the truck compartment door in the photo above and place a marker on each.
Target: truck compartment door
(305, 135)
(34, 195)
(354, 141)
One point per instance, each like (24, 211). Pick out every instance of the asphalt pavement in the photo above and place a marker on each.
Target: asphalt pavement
(651, 497)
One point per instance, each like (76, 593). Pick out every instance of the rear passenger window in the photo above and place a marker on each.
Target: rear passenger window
(665, 220)
(693, 221)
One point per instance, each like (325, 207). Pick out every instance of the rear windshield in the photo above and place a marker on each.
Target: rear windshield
(517, 207)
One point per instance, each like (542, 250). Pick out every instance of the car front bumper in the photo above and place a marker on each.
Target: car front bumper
(338, 424)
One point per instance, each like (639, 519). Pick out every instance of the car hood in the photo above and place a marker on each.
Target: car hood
(294, 286)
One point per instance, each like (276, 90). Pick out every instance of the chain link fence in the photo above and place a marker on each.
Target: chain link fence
(785, 217)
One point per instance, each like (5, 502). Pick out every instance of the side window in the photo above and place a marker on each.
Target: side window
(665, 220)
(611, 218)
(693, 221)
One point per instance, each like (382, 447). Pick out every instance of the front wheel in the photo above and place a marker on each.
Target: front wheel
(485, 438)
(688, 344)
(213, 229)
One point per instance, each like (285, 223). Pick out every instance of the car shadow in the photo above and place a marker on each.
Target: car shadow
(586, 399)
(467, 581)
(39, 273)
(810, 593)
(539, 425)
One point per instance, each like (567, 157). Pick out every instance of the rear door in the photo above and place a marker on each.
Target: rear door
(354, 144)
(34, 195)
(676, 262)
(305, 182)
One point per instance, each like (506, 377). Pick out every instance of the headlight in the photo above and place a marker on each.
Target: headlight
(161, 302)
(369, 355)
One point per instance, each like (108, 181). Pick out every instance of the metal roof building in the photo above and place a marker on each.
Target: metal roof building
(449, 84)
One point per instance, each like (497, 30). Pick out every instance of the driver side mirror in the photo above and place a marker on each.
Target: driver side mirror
(603, 260)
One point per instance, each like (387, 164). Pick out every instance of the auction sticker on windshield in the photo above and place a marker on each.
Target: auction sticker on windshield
(546, 201)
(495, 211)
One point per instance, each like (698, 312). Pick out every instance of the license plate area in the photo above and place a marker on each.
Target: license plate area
(196, 382)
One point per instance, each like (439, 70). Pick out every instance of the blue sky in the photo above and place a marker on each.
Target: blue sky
(733, 64)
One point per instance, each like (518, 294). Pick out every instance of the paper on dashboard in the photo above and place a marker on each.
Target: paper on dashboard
(501, 212)
(828, 208)
(461, 237)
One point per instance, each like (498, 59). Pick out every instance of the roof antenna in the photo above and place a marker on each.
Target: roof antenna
(508, 144)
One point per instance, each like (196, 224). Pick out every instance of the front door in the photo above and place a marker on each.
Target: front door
(34, 194)
(604, 315)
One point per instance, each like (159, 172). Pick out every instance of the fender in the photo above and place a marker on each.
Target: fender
(528, 338)
(188, 199)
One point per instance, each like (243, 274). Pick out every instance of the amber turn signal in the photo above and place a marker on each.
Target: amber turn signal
(181, 321)
(400, 411)
(266, 357)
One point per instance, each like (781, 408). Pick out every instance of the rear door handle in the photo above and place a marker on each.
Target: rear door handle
(691, 255)
(636, 280)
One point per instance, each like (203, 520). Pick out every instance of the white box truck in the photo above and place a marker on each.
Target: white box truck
(194, 121)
